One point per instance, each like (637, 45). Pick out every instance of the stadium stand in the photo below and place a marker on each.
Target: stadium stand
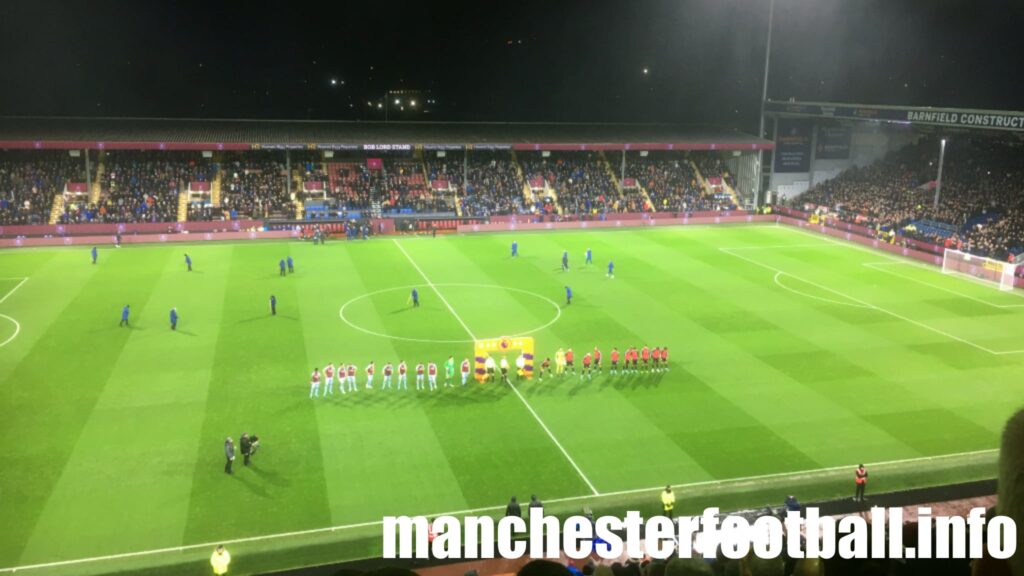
(494, 185)
(30, 181)
(350, 183)
(406, 189)
(578, 182)
(981, 201)
(255, 187)
(666, 179)
(141, 187)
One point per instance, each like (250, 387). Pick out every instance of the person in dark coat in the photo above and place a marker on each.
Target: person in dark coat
(229, 454)
(246, 445)
(513, 508)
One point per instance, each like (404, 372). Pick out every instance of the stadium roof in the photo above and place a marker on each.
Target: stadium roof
(155, 133)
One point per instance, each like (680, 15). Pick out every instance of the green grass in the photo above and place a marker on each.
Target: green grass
(789, 356)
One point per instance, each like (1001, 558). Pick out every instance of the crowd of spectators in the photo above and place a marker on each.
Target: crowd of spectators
(255, 187)
(352, 183)
(712, 166)
(311, 169)
(142, 186)
(670, 182)
(406, 190)
(493, 185)
(29, 180)
(447, 169)
(981, 206)
(581, 181)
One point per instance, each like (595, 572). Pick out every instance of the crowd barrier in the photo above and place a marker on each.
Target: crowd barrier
(107, 239)
(624, 216)
(139, 228)
(615, 222)
(861, 230)
(906, 251)
(88, 234)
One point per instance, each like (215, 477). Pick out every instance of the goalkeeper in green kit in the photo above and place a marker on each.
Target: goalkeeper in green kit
(449, 371)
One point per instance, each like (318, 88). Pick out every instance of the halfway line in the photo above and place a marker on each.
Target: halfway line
(514, 389)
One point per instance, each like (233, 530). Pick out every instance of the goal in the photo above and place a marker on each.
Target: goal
(980, 268)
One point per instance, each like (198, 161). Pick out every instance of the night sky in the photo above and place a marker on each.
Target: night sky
(502, 61)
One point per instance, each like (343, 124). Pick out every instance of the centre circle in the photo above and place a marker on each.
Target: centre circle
(347, 310)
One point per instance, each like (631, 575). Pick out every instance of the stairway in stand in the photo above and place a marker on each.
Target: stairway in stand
(705, 190)
(215, 190)
(97, 189)
(528, 197)
(57, 210)
(183, 204)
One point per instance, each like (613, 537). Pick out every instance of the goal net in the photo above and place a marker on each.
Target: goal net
(984, 269)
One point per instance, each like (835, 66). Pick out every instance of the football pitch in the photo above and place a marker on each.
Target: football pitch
(793, 358)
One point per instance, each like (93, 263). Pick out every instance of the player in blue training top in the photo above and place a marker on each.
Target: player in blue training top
(281, 266)
(188, 262)
(94, 254)
(590, 257)
(124, 316)
(611, 269)
(291, 265)
(415, 297)
(273, 305)
(174, 318)
(568, 295)
(565, 261)
(515, 249)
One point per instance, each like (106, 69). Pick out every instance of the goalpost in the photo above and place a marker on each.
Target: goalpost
(987, 270)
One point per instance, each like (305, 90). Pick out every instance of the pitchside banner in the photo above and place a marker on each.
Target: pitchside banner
(793, 146)
(833, 142)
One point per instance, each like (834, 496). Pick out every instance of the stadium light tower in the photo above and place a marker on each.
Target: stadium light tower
(938, 178)
(764, 96)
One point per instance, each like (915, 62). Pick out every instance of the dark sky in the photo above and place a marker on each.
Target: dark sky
(555, 60)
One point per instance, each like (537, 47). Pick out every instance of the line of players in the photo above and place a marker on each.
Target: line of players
(426, 377)
(633, 361)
